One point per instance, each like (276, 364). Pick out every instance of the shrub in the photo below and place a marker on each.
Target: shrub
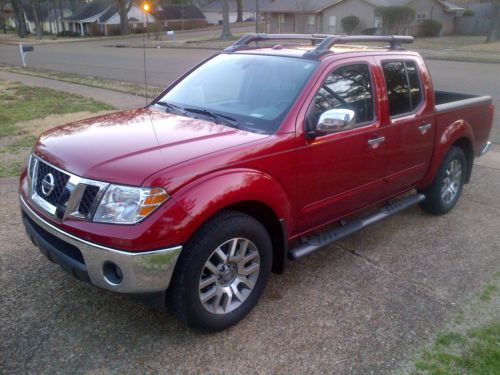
(369, 31)
(395, 16)
(469, 13)
(431, 28)
(349, 23)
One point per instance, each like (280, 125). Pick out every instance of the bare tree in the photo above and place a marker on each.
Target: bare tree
(495, 23)
(239, 10)
(18, 9)
(123, 7)
(61, 15)
(38, 24)
(226, 31)
(2, 17)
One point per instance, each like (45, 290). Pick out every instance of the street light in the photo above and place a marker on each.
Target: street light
(146, 7)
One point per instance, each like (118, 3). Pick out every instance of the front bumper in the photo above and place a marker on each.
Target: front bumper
(119, 271)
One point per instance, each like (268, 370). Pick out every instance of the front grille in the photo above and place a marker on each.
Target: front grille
(60, 180)
(88, 198)
(62, 194)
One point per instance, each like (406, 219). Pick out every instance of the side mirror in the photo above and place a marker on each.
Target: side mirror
(335, 120)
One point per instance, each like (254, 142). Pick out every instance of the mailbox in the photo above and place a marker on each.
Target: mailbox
(24, 49)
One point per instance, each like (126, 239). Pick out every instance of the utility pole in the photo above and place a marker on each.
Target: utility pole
(257, 16)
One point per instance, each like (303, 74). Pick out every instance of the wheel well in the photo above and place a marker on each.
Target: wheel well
(274, 226)
(466, 146)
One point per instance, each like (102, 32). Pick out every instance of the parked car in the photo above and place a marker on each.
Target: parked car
(258, 155)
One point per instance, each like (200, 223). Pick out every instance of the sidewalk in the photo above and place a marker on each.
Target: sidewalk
(114, 98)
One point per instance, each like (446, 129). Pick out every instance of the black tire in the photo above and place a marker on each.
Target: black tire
(434, 202)
(184, 295)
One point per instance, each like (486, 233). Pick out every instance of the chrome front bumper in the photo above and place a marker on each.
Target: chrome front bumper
(141, 273)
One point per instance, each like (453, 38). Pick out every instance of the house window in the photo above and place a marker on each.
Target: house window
(421, 17)
(311, 21)
(282, 17)
(332, 24)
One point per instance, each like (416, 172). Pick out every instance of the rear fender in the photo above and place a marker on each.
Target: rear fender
(459, 129)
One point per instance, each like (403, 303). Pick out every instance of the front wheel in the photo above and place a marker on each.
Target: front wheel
(222, 272)
(443, 194)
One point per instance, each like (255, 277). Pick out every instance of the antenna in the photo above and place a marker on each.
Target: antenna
(145, 9)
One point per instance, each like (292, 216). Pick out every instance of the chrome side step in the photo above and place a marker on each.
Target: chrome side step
(322, 239)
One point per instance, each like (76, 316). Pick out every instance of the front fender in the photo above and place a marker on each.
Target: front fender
(195, 203)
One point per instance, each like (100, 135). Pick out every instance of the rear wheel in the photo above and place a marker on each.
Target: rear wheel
(222, 272)
(443, 194)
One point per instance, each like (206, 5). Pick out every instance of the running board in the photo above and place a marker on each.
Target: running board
(322, 239)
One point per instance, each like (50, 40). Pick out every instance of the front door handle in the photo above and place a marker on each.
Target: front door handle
(423, 129)
(375, 142)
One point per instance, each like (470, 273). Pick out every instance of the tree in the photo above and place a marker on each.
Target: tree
(239, 10)
(18, 9)
(2, 19)
(123, 7)
(38, 24)
(349, 23)
(495, 23)
(226, 31)
(395, 17)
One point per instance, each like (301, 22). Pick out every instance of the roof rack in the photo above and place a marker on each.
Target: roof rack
(325, 41)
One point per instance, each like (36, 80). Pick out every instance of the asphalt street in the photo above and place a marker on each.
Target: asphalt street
(361, 306)
(167, 64)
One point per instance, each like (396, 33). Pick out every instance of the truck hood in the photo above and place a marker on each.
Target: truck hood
(127, 147)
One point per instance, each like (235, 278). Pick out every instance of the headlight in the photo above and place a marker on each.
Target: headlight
(128, 205)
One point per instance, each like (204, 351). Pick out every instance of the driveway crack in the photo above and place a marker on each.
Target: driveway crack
(378, 266)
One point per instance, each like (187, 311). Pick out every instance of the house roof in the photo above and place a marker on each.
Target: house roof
(216, 6)
(177, 12)
(90, 10)
(314, 6)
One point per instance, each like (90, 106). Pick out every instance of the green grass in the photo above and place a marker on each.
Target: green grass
(20, 104)
(471, 344)
(476, 353)
(488, 292)
(108, 84)
(23, 103)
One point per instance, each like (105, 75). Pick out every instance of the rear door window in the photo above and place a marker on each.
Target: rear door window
(404, 90)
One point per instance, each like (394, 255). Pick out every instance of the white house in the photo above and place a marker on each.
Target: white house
(213, 11)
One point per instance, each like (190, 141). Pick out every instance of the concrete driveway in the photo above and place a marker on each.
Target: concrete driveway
(361, 306)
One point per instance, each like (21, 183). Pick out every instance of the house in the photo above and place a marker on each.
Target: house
(55, 22)
(213, 11)
(324, 16)
(101, 17)
(180, 16)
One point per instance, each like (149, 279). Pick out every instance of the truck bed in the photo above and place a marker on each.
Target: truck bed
(447, 100)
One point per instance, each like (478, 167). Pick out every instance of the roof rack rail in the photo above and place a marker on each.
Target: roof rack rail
(325, 41)
(244, 41)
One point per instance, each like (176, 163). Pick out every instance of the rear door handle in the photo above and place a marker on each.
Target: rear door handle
(375, 142)
(423, 128)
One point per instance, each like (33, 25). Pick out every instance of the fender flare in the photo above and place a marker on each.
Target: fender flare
(205, 197)
(459, 129)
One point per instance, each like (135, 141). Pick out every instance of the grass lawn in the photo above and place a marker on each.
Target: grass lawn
(109, 84)
(27, 111)
(471, 344)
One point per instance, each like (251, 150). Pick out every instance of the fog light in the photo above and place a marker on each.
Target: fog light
(112, 273)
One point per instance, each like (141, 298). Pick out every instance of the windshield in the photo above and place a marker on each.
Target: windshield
(255, 91)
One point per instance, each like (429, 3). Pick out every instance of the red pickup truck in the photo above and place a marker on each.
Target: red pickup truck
(268, 151)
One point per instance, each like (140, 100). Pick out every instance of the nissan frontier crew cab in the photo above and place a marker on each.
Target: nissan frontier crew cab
(268, 151)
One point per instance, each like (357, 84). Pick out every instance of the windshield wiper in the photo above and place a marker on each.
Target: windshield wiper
(172, 107)
(216, 116)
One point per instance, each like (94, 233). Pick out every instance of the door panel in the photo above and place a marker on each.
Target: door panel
(410, 120)
(343, 171)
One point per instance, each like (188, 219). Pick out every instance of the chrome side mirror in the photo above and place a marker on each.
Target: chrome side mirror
(335, 120)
